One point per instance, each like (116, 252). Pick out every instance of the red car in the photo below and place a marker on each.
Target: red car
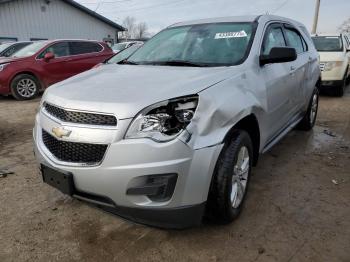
(43, 63)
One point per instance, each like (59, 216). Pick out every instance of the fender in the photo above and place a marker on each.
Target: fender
(216, 116)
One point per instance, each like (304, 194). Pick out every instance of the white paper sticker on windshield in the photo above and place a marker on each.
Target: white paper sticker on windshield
(230, 34)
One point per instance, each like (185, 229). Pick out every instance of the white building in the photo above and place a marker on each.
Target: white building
(22, 20)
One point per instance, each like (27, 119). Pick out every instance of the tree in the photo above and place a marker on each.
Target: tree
(134, 30)
(345, 26)
(130, 24)
(141, 30)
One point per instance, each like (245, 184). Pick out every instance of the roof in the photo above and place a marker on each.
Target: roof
(247, 18)
(87, 11)
(237, 19)
(327, 34)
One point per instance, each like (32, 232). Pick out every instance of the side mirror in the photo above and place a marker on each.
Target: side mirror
(48, 56)
(278, 55)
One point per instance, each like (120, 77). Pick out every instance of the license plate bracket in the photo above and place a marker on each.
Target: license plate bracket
(63, 181)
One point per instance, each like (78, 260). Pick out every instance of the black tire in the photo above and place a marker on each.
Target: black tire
(339, 90)
(19, 92)
(307, 123)
(220, 208)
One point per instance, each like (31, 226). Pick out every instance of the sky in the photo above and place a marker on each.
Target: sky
(158, 14)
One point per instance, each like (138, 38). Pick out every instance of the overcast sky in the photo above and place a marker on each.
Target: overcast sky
(161, 13)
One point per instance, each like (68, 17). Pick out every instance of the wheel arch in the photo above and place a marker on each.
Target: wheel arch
(27, 73)
(249, 124)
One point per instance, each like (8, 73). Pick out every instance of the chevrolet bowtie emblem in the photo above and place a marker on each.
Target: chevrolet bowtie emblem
(61, 132)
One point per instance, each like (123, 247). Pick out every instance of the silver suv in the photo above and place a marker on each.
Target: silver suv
(171, 133)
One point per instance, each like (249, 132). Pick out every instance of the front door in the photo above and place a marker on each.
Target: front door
(56, 69)
(279, 81)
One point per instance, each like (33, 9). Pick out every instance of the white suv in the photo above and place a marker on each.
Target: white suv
(172, 132)
(334, 60)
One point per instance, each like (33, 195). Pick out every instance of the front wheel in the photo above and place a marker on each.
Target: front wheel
(25, 87)
(230, 179)
(308, 122)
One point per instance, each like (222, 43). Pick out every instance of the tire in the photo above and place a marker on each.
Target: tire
(223, 205)
(25, 87)
(308, 122)
(339, 90)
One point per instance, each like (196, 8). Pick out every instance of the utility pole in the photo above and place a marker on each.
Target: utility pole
(317, 11)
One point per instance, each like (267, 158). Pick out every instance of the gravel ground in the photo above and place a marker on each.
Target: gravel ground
(297, 208)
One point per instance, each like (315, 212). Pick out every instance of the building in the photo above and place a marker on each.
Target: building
(22, 20)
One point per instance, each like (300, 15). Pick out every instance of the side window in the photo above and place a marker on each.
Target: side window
(295, 40)
(59, 50)
(80, 47)
(273, 38)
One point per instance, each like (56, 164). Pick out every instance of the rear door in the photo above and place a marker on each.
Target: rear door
(279, 82)
(56, 69)
(299, 68)
(85, 55)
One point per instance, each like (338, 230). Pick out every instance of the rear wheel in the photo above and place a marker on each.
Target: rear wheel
(230, 179)
(308, 122)
(24, 87)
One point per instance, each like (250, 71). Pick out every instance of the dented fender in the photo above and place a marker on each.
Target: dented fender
(217, 114)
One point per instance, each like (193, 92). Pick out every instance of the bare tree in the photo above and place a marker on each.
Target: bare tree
(141, 30)
(130, 24)
(345, 26)
(134, 30)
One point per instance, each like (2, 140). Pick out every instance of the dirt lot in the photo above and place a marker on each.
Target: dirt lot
(294, 211)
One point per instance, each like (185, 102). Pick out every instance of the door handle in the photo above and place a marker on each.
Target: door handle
(292, 68)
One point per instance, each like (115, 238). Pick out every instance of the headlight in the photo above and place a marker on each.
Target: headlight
(328, 66)
(163, 121)
(2, 66)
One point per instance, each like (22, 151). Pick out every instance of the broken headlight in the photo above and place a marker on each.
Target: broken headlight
(163, 121)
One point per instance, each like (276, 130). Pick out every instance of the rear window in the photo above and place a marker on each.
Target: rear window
(328, 43)
(78, 48)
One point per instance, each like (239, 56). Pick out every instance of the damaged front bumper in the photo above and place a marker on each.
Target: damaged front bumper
(134, 179)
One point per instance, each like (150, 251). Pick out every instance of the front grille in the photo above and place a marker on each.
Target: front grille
(80, 117)
(81, 153)
(322, 65)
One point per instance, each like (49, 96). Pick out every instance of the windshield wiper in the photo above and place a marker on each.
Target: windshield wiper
(127, 62)
(178, 63)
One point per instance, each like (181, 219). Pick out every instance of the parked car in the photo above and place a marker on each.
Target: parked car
(124, 54)
(123, 45)
(172, 133)
(8, 49)
(44, 63)
(334, 60)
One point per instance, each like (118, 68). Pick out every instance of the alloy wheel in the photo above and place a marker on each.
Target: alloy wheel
(26, 87)
(314, 106)
(240, 177)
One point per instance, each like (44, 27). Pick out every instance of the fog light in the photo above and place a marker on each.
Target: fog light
(156, 187)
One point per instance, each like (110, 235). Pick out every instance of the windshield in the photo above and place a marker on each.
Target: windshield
(219, 44)
(30, 49)
(4, 46)
(124, 54)
(328, 43)
(119, 46)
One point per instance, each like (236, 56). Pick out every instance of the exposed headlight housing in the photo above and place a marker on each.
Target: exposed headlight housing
(328, 66)
(163, 121)
(2, 66)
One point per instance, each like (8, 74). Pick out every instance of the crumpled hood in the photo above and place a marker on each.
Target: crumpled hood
(331, 56)
(127, 89)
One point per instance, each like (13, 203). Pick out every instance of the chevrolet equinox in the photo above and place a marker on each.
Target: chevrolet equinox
(170, 134)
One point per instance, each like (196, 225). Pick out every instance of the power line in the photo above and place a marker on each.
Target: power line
(146, 7)
(280, 7)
